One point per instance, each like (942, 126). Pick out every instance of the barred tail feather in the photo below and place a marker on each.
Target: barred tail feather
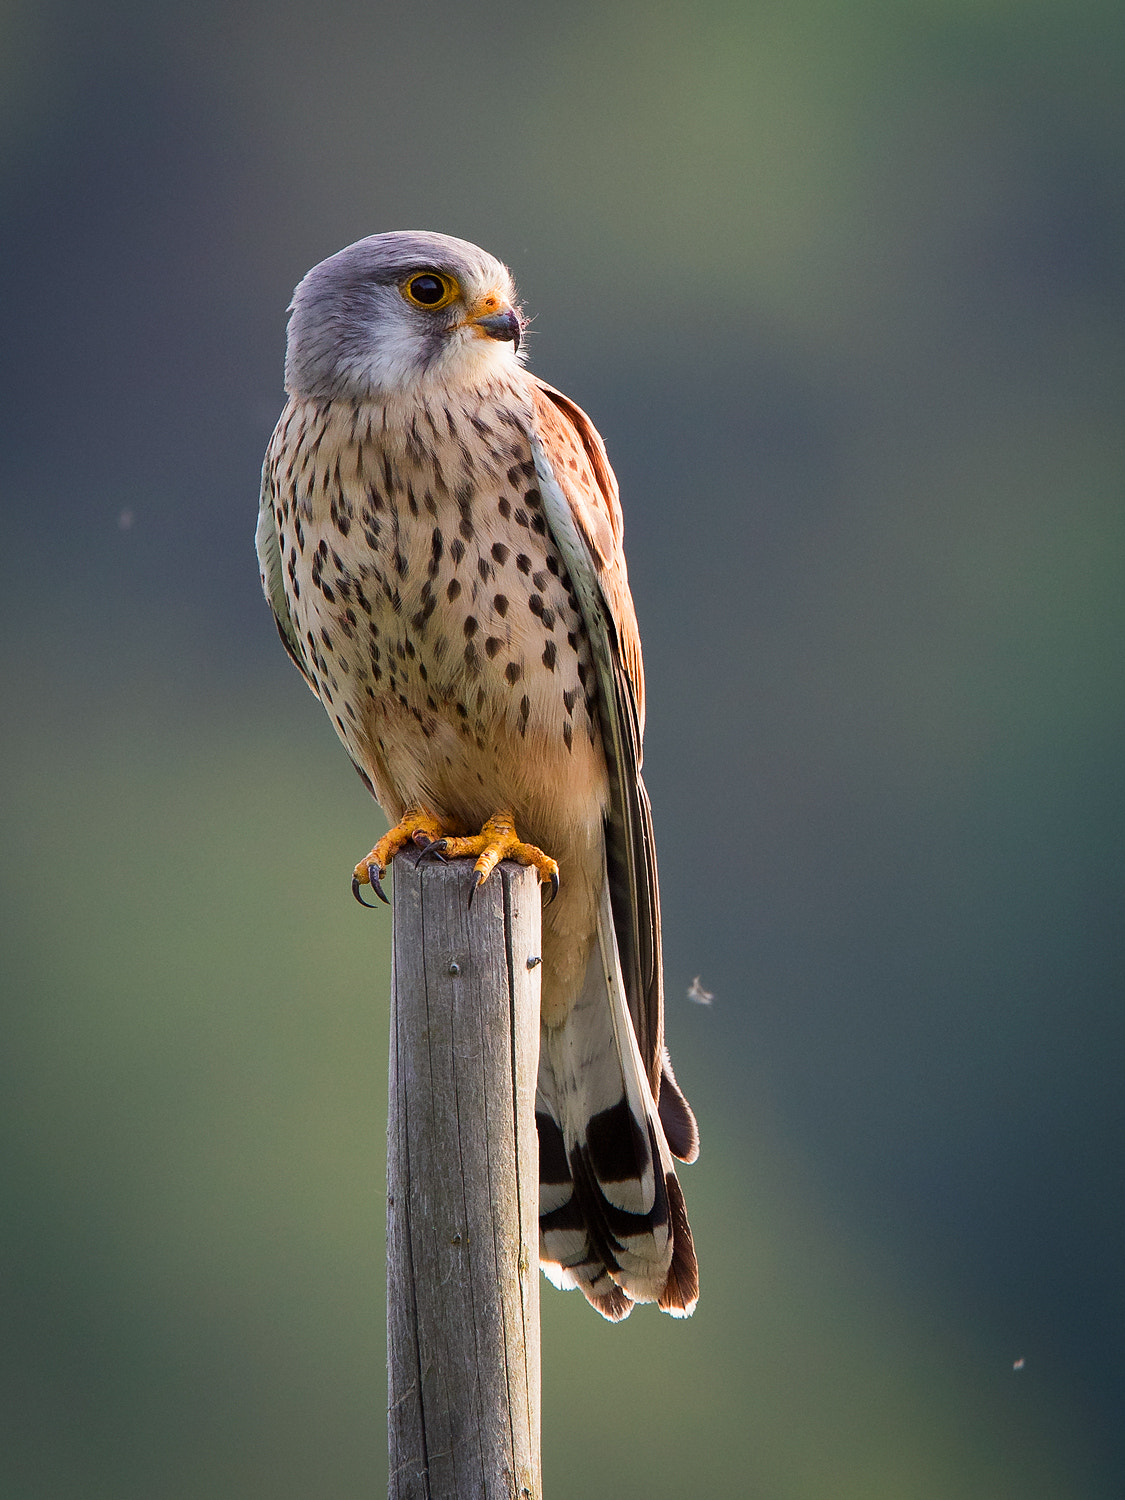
(611, 1214)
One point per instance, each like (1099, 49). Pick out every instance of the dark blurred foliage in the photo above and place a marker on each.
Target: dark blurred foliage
(843, 286)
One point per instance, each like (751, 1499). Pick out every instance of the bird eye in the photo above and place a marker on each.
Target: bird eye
(430, 290)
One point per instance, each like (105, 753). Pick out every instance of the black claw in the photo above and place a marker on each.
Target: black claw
(374, 876)
(473, 890)
(554, 887)
(434, 848)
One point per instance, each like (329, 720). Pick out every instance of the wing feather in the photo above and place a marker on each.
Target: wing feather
(584, 513)
(271, 563)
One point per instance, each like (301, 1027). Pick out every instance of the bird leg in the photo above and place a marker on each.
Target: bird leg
(416, 827)
(498, 840)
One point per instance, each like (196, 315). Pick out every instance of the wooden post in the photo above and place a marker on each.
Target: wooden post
(463, 1185)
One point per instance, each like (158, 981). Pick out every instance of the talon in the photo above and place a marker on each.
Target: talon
(378, 889)
(435, 849)
(554, 887)
(375, 877)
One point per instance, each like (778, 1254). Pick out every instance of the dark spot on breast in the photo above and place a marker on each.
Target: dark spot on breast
(531, 499)
(465, 527)
(470, 628)
(569, 699)
(519, 516)
(418, 620)
(535, 604)
(523, 563)
(500, 552)
(568, 736)
(453, 589)
(549, 656)
(402, 567)
(504, 507)
(492, 646)
(548, 618)
(484, 568)
(539, 579)
(500, 605)
(456, 549)
(539, 525)
(513, 672)
(552, 564)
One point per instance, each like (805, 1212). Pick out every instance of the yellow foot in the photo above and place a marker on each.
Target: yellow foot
(417, 827)
(499, 840)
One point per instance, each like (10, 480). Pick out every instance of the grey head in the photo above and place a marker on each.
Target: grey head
(397, 312)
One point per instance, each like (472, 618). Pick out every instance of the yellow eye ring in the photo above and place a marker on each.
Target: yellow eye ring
(430, 290)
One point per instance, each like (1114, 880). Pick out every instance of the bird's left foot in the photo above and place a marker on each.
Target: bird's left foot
(498, 840)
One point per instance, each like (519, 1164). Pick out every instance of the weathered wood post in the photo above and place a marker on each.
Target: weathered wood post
(463, 1185)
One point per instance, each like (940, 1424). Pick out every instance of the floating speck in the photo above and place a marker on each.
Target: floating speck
(698, 993)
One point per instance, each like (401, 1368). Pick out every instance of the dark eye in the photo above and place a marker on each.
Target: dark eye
(430, 289)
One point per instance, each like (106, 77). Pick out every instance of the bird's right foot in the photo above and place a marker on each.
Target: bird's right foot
(417, 827)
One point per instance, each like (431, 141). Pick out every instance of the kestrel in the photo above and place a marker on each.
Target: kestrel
(440, 540)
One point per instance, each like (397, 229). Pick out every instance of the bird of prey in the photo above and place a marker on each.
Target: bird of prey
(440, 540)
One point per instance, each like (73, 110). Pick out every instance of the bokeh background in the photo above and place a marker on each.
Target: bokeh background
(843, 286)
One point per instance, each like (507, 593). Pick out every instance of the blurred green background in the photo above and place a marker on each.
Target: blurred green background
(843, 287)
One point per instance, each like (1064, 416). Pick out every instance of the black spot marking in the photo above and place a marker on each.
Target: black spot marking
(505, 508)
(456, 550)
(535, 604)
(523, 563)
(617, 1147)
(500, 552)
(549, 656)
(513, 672)
(492, 645)
(553, 1166)
(500, 605)
(470, 627)
(453, 589)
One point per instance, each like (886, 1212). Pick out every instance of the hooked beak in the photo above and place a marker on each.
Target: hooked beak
(504, 324)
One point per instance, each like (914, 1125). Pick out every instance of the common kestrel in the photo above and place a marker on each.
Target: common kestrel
(440, 540)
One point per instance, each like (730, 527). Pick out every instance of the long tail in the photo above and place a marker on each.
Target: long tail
(612, 1220)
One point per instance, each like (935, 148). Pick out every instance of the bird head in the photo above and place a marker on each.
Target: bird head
(397, 312)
